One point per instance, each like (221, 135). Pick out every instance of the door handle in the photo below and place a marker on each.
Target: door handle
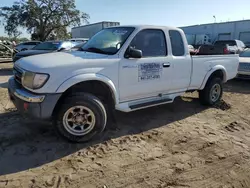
(166, 65)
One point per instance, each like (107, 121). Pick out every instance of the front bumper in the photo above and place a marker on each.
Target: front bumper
(243, 76)
(38, 106)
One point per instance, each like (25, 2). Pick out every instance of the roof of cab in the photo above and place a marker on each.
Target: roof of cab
(148, 27)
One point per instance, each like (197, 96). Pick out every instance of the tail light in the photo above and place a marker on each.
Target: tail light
(226, 51)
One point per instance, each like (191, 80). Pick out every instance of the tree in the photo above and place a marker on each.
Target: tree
(23, 39)
(41, 18)
(59, 33)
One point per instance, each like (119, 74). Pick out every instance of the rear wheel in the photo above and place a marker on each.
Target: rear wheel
(81, 117)
(212, 92)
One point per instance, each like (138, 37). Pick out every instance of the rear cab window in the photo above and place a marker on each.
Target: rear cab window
(177, 43)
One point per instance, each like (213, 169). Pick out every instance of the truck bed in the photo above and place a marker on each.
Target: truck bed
(202, 64)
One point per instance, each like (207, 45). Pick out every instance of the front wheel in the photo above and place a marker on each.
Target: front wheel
(212, 92)
(81, 117)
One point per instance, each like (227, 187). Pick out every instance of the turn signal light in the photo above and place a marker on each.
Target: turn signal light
(25, 106)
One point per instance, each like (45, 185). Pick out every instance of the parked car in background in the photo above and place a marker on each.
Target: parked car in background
(6, 53)
(192, 50)
(191, 47)
(212, 49)
(233, 46)
(26, 45)
(247, 44)
(10, 44)
(6, 42)
(45, 47)
(78, 46)
(244, 65)
(79, 39)
(123, 68)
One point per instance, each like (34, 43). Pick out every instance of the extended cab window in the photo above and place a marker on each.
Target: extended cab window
(177, 43)
(151, 42)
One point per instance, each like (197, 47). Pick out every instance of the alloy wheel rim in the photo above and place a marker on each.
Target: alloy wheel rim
(79, 120)
(215, 92)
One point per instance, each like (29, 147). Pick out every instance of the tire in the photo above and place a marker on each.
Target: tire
(83, 104)
(208, 95)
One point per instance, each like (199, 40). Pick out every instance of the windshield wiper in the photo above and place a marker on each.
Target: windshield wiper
(95, 50)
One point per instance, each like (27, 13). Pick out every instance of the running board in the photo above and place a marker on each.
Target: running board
(150, 103)
(139, 104)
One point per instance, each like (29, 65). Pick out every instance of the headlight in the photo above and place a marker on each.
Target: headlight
(34, 80)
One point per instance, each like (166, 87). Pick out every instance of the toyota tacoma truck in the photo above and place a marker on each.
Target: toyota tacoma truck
(124, 68)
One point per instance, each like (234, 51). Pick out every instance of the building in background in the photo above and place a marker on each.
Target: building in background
(87, 31)
(221, 31)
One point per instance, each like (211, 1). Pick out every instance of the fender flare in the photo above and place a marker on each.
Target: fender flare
(211, 71)
(89, 77)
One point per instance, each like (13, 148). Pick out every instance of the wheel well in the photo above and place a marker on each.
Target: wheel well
(97, 88)
(217, 74)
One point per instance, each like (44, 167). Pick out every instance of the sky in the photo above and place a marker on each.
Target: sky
(159, 12)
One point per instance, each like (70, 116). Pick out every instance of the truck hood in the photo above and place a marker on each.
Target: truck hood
(58, 60)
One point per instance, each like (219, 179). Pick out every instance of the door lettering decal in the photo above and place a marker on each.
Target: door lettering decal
(149, 71)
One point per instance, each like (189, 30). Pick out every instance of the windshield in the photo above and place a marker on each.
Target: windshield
(223, 42)
(108, 41)
(47, 46)
(245, 54)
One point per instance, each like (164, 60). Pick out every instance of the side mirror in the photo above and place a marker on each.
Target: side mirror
(133, 53)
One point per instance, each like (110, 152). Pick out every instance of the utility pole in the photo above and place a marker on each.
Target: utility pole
(214, 19)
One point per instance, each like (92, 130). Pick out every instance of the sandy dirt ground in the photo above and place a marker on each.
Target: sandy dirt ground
(179, 145)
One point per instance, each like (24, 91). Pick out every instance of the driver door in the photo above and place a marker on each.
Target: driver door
(150, 75)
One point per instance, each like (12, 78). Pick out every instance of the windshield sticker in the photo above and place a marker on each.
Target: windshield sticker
(120, 32)
(149, 71)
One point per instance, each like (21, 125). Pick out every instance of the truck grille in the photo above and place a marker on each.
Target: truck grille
(18, 73)
(245, 67)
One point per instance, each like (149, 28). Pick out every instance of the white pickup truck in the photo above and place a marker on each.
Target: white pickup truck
(123, 68)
